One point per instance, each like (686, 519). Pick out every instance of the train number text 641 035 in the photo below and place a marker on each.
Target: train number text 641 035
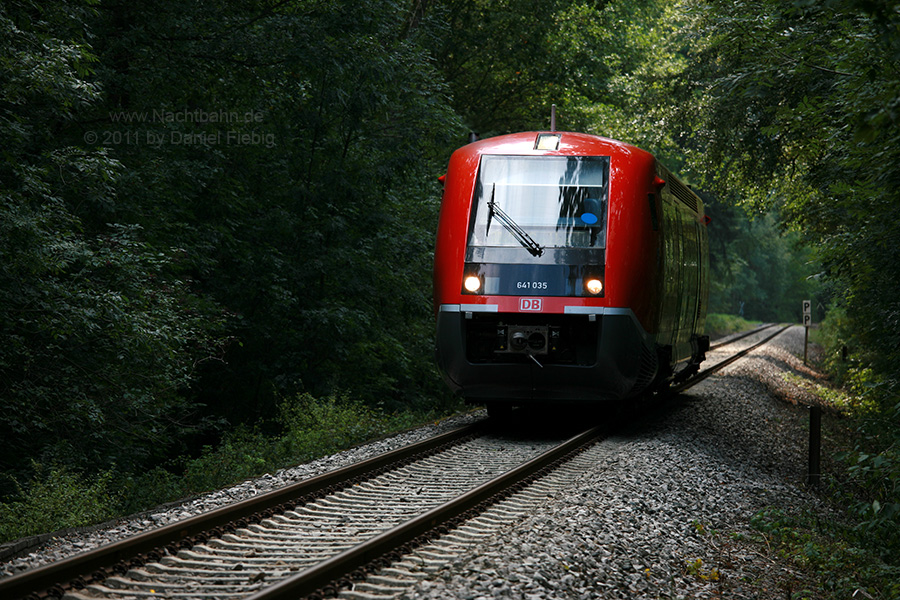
(532, 285)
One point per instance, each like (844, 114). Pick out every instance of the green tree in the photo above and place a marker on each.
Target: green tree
(316, 237)
(796, 105)
(757, 269)
(98, 332)
(210, 203)
(507, 61)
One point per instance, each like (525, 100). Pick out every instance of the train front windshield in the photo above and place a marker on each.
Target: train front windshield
(558, 201)
(535, 212)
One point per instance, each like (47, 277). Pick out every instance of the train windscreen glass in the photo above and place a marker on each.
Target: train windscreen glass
(556, 201)
(538, 226)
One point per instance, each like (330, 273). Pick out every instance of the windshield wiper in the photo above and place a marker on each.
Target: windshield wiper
(520, 234)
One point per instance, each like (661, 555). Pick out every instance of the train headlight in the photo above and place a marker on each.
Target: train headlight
(472, 283)
(593, 286)
(547, 141)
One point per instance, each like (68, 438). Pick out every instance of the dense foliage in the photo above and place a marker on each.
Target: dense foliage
(99, 329)
(757, 270)
(209, 204)
(795, 107)
(507, 61)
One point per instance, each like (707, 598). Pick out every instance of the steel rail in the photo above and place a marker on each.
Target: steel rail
(44, 578)
(721, 365)
(340, 566)
(742, 336)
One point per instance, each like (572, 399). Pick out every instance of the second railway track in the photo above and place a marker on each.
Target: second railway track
(320, 541)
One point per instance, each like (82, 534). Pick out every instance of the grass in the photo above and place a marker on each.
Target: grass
(719, 325)
(837, 560)
(56, 498)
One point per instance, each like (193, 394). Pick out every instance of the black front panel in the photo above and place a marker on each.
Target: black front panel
(563, 357)
(553, 339)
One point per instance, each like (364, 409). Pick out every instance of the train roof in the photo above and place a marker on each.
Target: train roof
(538, 143)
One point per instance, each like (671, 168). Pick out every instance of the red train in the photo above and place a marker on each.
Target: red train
(568, 268)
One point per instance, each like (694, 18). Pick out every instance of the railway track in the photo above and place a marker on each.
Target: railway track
(365, 531)
(694, 380)
(732, 339)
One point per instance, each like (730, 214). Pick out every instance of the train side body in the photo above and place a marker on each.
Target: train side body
(568, 267)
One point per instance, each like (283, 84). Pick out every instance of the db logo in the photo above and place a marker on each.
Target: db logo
(530, 303)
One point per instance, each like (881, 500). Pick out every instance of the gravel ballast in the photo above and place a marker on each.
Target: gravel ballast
(654, 517)
(657, 515)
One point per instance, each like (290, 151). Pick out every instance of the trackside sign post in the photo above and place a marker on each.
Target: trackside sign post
(815, 412)
(807, 321)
